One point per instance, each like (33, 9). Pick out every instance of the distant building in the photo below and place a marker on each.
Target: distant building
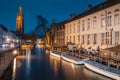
(48, 38)
(97, 27)
(7, 38)
(20, 21)
(55, 36)
(60, 33)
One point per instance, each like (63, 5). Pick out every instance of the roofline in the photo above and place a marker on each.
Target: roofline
(98, 7)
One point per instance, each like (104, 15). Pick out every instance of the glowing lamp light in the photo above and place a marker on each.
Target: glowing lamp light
(15, 52)
(8, 39)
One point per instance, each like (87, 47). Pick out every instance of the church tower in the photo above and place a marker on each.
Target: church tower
(20, 21)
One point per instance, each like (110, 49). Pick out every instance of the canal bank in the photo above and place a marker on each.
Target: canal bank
(6, 57)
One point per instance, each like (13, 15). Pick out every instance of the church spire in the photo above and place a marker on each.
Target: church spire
(20, 9)
(20, 21)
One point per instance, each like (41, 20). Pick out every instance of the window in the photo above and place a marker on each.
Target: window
(116, 37)
(102, 22)
(74, 39)
(78, 27)
(83, 27)
(95, 38)
(70, 28)
(109, 19)
(116, 17)
(70, 38)
(82, 39)
(67, 29)
(94, 23)
(67, 39)
(88, 39)
(102, 38)
(108, 38)
(78, 38)
(88, 27)
(74, 29)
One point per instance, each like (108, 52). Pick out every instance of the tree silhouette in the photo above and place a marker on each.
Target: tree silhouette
(42, 26)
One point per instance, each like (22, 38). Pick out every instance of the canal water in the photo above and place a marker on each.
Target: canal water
(37, 64)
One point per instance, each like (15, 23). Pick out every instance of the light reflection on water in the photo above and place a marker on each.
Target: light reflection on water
(40, 66)
(14, 69)
(28, 56)
(74, 72)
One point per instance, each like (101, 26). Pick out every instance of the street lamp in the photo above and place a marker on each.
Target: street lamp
(15, 52)
(8, 39)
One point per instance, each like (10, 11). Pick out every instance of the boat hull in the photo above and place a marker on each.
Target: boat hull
(102, 72)
(55, 55)
(72, 61)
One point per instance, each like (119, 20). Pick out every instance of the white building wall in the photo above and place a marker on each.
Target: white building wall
(95, 30)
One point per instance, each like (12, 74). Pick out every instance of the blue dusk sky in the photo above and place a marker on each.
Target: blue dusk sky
(57, 10)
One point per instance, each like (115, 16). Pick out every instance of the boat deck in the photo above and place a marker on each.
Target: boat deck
(72, 57)
(103, 67)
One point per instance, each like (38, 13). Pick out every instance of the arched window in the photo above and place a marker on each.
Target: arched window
(102, 21)
(116, 17)
(109, 19)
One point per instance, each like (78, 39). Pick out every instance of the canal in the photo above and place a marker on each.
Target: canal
(37, 64)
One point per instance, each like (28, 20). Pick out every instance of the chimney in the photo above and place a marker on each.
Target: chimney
(89, 7)
(72, 15)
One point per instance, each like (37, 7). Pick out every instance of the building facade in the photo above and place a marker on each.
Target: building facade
(8, 38)
(59, 36)
(98, 27)
(20, 21)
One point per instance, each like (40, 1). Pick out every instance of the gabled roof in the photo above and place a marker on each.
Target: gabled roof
(97, 8)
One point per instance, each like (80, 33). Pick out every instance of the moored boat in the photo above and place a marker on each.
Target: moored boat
(56, 54)
(72, 59)
(103, 69)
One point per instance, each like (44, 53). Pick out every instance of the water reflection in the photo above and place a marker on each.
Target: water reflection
(37, 65)
(71, 71)
(28, 56)
(55, 64)
(14, 69)
(94, 76)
